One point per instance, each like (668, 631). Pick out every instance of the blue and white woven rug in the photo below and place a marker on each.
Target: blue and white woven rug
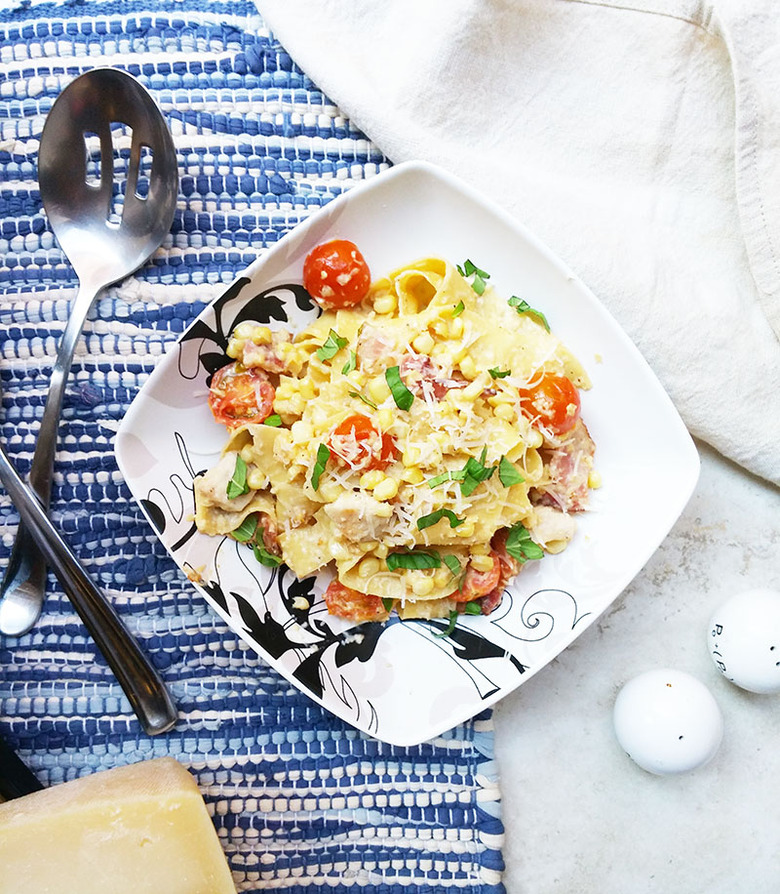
(299, 798)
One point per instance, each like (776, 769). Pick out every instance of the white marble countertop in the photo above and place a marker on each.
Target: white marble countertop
(580, 816)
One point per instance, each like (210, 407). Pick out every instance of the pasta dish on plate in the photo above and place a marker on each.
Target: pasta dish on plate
(422, 439)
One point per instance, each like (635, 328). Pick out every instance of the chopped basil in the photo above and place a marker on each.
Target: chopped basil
(246, 530)
(458, 309)
(362, 397)
(450, 627)
(350, 364)
(476, 472)
(472, 608)
(427, 520)
(323, 455)
(508, 473)
(262, 555)
(402, 396)
(333, 344)
(523, 307)
(457, 475)
(388, 603)
(452, 563)
(497, 373)
(520, 546)
(478, 283)
(237, 485)
(415, 559)
(274, 420)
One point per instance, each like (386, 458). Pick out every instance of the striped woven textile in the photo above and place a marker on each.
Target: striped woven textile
(299, 798)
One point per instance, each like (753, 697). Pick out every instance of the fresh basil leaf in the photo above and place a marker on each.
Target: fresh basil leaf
(263, 556)
(246, 530)
(402, 396)
(362, 397)
(508, 473)
(452, 563)
(478, 283)
(323, 455)
(458, 309)
(521, 546)
(388, 603)
(350, 364)
(415, 559)
(476, 472)
(237, 485)
(333, 344)
(523, 307)
(456, 475)
(274, 420)
(427, 520)
(450, 627)
(472, 608)
(497, 373)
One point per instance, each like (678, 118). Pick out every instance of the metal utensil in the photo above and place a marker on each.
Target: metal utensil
(105, 240)
(141, 683)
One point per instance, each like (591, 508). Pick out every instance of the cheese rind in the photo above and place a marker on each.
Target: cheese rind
(138, 829)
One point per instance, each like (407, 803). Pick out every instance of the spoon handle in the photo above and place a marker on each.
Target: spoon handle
(24, 583)
(141, 683)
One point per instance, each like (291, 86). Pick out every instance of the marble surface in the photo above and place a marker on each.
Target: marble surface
(580, 816)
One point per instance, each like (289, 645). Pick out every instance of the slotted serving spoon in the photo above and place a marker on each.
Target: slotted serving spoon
(105, 239)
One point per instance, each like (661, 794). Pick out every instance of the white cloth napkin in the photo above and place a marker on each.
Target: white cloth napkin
(639, 140)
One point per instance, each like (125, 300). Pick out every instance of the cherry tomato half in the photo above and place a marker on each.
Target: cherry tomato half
(361, 445)
(336, 275)
(554, 401)
(238, 395)
(353, 605)
(478, 583)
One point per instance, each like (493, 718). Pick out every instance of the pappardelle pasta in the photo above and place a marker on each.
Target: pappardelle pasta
(421, 439)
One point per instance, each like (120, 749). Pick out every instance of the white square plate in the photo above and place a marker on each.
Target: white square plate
(401, 682)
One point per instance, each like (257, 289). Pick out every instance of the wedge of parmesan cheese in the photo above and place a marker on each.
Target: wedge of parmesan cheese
(142, 828)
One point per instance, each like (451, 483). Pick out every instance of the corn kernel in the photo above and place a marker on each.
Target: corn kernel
(368, 567)
(480, 549)
(386, 489)
(301, 431)
(422, 586)
(370, 479)
(456, 327)
(442, 577)
(481, 563)
(256, 479)
(357, 378)
(378, 389)
(385, 417)
(244, 331)
(505, 412)
(594, 480)
(235, 348)
(468, 368)
(338, 550)
(441, 328)
(413, 476)
(411, 456)
(472, 392)
(381, 551)
(330, 491)
(261, 335)
(423, 343)
(285, 390)
(466, 529)
(385, 304)
(458, 355)
(534, 438)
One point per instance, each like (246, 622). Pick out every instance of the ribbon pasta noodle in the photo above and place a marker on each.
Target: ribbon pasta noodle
(423, 445)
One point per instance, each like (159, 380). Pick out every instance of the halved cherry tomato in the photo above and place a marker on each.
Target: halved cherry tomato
(238, 395)
(361, 445)
(335, 274)
(553, 401)
(353, 605)
(478, 583)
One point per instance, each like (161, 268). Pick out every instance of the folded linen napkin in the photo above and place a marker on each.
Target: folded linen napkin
(638, 140)
(301, 801)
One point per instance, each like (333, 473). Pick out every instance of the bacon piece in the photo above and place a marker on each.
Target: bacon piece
(268, 356)
(375, 350)
(569, 463)
(421, 374)
(270, 533)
